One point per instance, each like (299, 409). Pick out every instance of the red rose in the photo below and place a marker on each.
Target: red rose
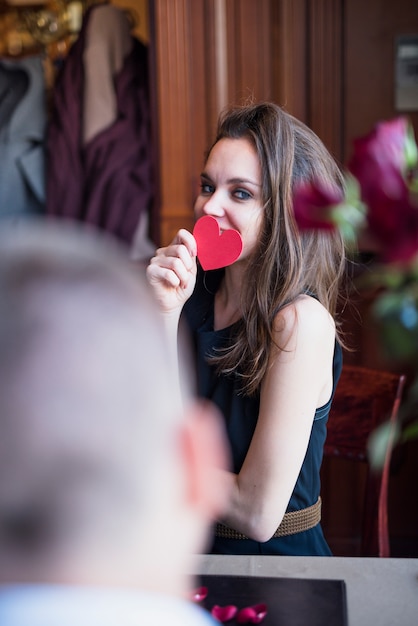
(379, 159)
(393, 222)
(380, 163)
(313, 205)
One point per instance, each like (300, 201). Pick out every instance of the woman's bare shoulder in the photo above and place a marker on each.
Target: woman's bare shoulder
(306, 316)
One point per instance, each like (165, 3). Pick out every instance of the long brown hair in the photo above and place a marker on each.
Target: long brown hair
(286, 262)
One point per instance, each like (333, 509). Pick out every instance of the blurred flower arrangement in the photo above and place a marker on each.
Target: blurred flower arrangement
(380, 206)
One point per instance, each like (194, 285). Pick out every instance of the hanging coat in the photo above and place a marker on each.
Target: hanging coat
(22, 137)
(99, 163)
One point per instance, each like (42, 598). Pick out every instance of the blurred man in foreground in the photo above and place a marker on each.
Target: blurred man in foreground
(106, 489)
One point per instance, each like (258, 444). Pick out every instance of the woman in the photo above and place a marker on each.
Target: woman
(267, 346)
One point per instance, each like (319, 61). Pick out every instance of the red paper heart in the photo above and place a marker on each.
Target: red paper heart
(252, 614)
(224, 613)
(216, 249)
(199, 594)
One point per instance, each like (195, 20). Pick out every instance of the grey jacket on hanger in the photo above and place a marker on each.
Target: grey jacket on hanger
(22, 137)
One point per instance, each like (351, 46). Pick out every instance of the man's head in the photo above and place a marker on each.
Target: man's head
(104, 477)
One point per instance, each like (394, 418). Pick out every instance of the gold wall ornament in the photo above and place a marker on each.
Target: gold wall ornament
(49, 23)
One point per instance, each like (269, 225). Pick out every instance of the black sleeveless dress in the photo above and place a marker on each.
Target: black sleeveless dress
(241, 412)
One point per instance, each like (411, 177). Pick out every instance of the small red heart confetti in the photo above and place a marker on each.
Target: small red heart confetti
(224, 613)
(199, 594)
(216, 249)
(252, 614)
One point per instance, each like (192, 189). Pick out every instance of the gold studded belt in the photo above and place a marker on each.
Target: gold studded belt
(292, 523)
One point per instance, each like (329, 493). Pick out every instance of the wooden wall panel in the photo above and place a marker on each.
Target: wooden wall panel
(289, 30)
(249, 50)
(370, 29)
(173, 85)
(325, 73)
(189, 89)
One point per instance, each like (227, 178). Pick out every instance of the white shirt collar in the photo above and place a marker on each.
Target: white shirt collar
(50, 605)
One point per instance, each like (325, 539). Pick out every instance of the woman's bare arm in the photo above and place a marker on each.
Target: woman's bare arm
(298, 381)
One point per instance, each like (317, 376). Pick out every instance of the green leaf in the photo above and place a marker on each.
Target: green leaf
(389, 304)
(410, 147)
(384, 435)
(350, 215)
(410, 432)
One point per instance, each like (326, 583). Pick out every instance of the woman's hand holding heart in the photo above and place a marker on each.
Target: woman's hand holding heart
(172, 272)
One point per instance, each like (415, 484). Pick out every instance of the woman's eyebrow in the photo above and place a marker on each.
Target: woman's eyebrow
(233, 181)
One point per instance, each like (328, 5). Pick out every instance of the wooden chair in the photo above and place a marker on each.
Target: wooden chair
(364, 399)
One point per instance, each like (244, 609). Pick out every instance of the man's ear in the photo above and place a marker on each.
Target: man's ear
(207, 457)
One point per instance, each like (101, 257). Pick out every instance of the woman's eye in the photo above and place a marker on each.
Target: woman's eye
(242, 194)
(205, 188)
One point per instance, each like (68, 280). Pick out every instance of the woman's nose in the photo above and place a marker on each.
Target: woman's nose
(214, 205)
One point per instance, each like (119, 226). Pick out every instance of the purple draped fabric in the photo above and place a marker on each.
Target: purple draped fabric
(107, 182)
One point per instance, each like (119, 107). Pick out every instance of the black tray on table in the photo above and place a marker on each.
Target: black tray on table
(290, 601)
